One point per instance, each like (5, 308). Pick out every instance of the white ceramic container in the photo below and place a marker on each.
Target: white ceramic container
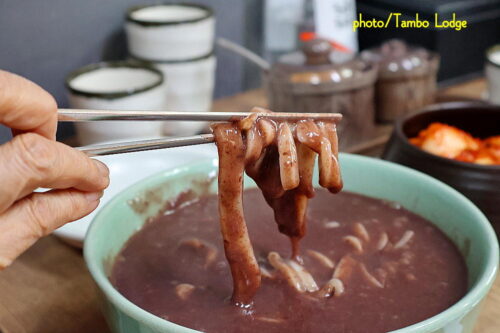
(116, 86)
(190, 88)
(166, 32)
(492, 70)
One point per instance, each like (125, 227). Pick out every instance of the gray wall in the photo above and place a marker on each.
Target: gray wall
(43, 40)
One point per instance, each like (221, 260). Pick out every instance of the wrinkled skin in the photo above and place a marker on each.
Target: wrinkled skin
(33, 159)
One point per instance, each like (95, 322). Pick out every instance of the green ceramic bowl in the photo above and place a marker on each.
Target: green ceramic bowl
(445, 207)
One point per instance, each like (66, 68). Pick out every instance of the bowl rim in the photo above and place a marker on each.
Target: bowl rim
(471, 299)
(160, 79)
(436, 108)
(208, 13)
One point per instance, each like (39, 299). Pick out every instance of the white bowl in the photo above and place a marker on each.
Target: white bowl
(127, 169)
(116, 86)
(165, 32)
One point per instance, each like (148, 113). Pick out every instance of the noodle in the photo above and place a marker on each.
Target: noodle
(407, 236)
(198, 244)
(355, 242)
(332, 224)
(323, 259)
(345, 268)
(384, 239)
(361, 232)
(184, 290)
(239, 252)
(291, 275)
(332, 287)
(280, 157)
(370, 278)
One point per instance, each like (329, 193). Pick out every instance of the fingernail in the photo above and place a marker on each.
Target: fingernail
(93, 196)
(103, 169)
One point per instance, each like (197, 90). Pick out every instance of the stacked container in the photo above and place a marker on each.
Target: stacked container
(178, 40)
(117, 85)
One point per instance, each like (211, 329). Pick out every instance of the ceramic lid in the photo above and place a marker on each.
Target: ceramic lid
(317, 69)
(396, 59)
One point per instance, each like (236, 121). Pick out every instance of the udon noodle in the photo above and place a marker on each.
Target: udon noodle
(280, 157)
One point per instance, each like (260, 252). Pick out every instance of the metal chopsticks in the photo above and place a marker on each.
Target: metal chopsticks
(75, 115)
(79, 115)
(141, 145)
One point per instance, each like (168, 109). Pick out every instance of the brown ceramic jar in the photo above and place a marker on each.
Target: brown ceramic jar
(310, 81)
(406, 79)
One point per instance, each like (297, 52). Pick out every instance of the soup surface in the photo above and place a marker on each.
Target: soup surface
(395, 268)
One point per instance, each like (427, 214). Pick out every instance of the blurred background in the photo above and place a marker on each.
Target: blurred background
(45, 40)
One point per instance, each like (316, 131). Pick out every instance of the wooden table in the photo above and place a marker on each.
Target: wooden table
(48, 289)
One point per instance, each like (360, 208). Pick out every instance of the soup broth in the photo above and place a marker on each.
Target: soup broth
(365, 265)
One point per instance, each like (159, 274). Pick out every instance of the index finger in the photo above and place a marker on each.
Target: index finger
(25, 106)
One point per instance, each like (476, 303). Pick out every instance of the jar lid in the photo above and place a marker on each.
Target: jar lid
(316, 68)
(395, 59)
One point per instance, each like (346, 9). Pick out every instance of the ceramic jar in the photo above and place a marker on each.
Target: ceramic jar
(313, 81)
(407, 78)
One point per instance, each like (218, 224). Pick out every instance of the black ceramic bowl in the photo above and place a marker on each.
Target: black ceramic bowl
(479, 183)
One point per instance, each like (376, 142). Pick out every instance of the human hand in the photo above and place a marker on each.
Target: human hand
(33, 159)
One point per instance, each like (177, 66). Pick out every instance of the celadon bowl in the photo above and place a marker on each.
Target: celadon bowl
(446, 208)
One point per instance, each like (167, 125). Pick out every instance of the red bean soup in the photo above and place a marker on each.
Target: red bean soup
(217, 263)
